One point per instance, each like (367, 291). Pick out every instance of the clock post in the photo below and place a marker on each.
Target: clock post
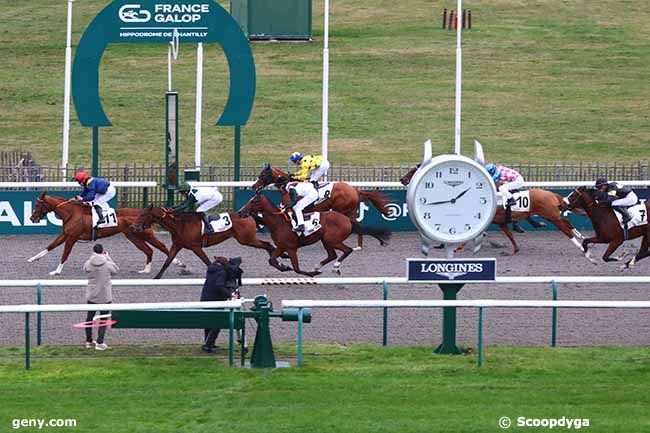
(448, 345)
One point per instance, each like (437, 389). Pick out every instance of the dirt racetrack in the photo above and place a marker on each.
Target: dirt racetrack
(543, 253)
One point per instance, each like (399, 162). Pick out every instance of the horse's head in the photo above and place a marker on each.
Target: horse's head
(406, 179)
(265, 178)
(580, 197)
(145, 220)
(41, 209)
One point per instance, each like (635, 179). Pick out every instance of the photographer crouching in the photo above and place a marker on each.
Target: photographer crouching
(222, 283)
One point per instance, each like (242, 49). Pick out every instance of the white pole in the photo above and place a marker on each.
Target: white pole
(326, 79)
(66, 95)
(199, 98)
(459, 70)
(169, 67)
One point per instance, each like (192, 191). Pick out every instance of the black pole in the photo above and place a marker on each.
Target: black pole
(469, 19)
(444, 18)
(451, 20)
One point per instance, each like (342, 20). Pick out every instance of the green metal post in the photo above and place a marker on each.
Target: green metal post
(554, 317)
(95, 152)
(448, 345)
(242, 346)
(237, 163)
(231, 338)
(262, 356)
(145, 196)
(28, 361)
(385, 334)
(39, 301)
(300, 314)
(480, 336)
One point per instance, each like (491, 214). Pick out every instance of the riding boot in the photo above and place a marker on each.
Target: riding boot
(508, 215)
(315, 183)
(100, 215)
(300, 223)
(517, 228)
(208, 227)
(624, 213)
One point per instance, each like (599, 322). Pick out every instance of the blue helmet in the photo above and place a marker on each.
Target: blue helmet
(295, 157)
(491, 168)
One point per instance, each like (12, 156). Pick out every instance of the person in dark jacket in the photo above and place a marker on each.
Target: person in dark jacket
(222, 282)
(618, 196)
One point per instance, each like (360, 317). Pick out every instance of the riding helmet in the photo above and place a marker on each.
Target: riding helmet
(184, 187)
(491, 168)
(295, 157)
(600, 182)
(81, 176)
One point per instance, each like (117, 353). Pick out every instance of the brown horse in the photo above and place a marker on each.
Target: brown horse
(335, 228)
(77, 225)
(543, 203)
(185, 229)
(607, 228)
(344, 198)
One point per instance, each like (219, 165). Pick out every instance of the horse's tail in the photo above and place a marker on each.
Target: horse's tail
(577, 210)
(378, 200)
(382, 234)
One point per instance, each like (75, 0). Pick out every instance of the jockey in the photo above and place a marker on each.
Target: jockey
(205, 199)
(312, 167)
(510, 180)
(618, 196)
(308, 195)
(96, 190)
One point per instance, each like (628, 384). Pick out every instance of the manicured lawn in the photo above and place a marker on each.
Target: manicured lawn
(360, 388)
(543, 81)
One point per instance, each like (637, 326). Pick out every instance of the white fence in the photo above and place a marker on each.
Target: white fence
(72, 184)
(366, 184)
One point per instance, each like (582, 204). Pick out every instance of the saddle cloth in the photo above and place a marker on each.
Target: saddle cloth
(220, 225)
(110, 217)
(324, 191)
(312, 222)
(638, 214)
(522, 201)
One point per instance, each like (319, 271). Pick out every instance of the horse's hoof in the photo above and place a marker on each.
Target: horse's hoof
(55, 273)
(337, 271)
(357, 248)
(179, 263)
(185, 271)
(144, 271)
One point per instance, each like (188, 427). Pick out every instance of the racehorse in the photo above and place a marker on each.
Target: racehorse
(77, 225)
(344, 198)
(185, 229)
(543, 203)
(607, 228)
(335, 228)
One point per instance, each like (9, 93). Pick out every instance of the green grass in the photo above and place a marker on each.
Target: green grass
(360, 388)
(543, 81)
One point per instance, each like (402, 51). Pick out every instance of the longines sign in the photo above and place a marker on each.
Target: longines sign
(451, 269)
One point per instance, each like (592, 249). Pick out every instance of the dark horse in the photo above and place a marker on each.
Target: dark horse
(344, 198)
(542, 203)
(185, 229)
(607, 228)
(335, 228)
(77, 225)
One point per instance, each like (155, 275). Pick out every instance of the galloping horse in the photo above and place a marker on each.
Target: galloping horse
(77, 225)
(607, 228)
(344, 198)
(185, 229)
(335, 228)
(543, 203)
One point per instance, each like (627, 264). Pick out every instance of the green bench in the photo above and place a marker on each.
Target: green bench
(231, 320)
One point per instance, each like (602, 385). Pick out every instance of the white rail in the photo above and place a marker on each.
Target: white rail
(72, 184)
(119, 307)
(372, 184)
(472, 303)
(333, 281)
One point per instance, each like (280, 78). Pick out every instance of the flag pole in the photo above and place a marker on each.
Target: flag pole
(459, 70)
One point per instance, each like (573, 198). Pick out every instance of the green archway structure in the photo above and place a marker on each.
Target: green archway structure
(154, 21)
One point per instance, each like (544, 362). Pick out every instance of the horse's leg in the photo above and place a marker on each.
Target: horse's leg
(293, 255)
(172, 253)
(331, 255)
(641, 254)
(508, 233)
(613, 245)
(273, 261)
(346, 252)
(353, 219)
(149, 237)
(55, 243)
(201, 255)
(568, 230)
(142, 246)
(69, 243)
(585, 247)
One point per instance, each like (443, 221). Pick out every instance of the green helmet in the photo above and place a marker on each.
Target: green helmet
(183, 187)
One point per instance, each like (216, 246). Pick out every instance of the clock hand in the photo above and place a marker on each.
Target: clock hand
(438, 202)
(462, 194)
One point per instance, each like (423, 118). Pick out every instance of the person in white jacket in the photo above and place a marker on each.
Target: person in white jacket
(99, 267)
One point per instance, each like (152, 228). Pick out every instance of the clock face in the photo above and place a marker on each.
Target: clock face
(453, 200)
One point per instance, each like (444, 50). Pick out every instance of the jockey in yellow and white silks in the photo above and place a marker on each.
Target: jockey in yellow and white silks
(312, 167)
